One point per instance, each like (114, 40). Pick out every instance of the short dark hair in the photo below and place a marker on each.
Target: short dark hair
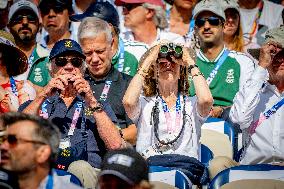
(45, 131)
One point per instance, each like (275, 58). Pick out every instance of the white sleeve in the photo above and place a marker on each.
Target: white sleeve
(247, 99)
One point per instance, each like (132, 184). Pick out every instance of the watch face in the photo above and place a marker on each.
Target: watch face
(89, 111)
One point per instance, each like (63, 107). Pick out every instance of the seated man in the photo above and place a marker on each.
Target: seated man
(68, 101)
(258, 108)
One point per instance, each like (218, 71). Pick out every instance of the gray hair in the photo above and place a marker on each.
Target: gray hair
(45, 131)
(159, 18)
(92, 27)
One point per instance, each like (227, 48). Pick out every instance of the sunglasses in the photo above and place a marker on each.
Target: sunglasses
(57, 9)
(75, 61)
(130, 6)
(19, 19)
(13, 140)
(214, 21)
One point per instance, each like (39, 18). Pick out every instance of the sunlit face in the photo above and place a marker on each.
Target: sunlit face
(276, 69)
(134, 14)
(232, 22)
(186, 4)
(98, 52)
(167, 70)
(209, 33)
(19, 157)
(24, 25)
(55, 20)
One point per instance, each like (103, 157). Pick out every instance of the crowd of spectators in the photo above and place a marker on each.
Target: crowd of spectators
(102, 89)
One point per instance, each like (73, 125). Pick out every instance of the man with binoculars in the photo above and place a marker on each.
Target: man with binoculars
(168, 120)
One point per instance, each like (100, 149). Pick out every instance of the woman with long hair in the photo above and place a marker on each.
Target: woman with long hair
(13, 62)
(168, 120)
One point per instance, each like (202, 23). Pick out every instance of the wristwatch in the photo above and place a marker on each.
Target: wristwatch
(98, 108)
(191, 67)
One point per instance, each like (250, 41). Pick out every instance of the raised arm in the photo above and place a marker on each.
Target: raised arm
(204, 96)
(132, 94)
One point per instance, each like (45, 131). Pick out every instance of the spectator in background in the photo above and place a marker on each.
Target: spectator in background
(257, 16)
(124, 169)
(24, 26)
(235, 67)
(126, 53)
(4, 11)
(233, 33)
(87, 131)
(29, 149)
(146, 20)
(13, 62)
(168, 121)
(55, 19)
(258, 108)
(108, 84)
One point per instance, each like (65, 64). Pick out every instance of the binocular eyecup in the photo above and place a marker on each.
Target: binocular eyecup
(170, 49)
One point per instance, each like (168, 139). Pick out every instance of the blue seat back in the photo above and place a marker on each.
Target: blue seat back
(206, 154)
(72, 178)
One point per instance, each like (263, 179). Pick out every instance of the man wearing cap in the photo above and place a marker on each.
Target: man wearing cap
(24, 26)
(146, 20)
(225, 71)
(29, 149)
(55, 20)
(127, 53)
(4, 10)
(124, 168)
(86, 126)
(258, 107)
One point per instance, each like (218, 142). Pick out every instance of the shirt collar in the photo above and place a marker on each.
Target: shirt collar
(204, 58)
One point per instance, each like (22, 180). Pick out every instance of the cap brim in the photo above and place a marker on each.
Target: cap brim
(254, 53)
(71, 50)
(203, 10)
(117, 174)
(121, 2)
(77, 17)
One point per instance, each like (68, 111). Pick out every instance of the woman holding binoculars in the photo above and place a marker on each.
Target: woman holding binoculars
(168, 120)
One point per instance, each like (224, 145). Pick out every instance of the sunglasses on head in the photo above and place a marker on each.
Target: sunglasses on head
(14, 140)
(19, 18)
(75, 61)
(214, 21)
(57, 9)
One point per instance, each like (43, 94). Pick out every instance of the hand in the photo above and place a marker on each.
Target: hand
(267, 52)
(58, 83)
(83, 88)
(216, 111)
(188, 56)
(149, 58)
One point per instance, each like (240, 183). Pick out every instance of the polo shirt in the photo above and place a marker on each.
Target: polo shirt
(84, 137)
(120, 82)
(231, 76)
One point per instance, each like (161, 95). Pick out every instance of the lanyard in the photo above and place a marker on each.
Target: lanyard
(32, 57)
(78, 109)
(13, 86)
(49, 184)
(105, 91)
(266, 115)
(121, 56)
(218, 65)
(191, 24)
(255, 25)
(167, 113)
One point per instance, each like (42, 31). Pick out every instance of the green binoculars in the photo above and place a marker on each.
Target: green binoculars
(170, 49)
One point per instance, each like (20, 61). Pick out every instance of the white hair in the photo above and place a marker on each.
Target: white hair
(159, 18)
(92, 27)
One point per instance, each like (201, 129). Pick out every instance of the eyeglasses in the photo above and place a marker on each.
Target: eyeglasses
(214, 21)
(14, 140)
(19, 19)
(130, 6)
(170, 49)
(75, 61)
(56, 9)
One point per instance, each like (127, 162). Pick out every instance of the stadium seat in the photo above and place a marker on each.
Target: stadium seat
(218, 135)
(169, 176)
(68, 177)
(249, 174)
(206, 154)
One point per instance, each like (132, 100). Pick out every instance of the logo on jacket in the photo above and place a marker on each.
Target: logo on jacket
(38, 75)
(230, 76)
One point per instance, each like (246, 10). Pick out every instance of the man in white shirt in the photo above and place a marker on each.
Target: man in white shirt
(258, 108)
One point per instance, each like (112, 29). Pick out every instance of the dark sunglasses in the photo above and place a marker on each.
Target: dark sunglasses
(75, 61)
(13, 140)
(56, 9)
(19, 19)
(130, 6)
(214, 21)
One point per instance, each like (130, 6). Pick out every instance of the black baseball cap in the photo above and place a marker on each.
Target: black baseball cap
(65, 45)
(126, 164)
(57, 3)
(102, 10)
